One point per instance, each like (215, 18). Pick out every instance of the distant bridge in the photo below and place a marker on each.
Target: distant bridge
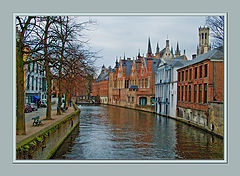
(84, 100)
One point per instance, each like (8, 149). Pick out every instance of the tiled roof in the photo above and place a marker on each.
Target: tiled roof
(215, 54)
(128, 67)
(155, 64)
(103, 76)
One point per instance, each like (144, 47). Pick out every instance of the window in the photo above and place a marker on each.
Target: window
(128, 99)
(132, 99)
(205, 35)
(32, 83)
(200, 72)
(146, 82)
(200, 94)
(190, 93)
(33, 65)
(179, 75)
(205, 93)
(186, 75)
(178, 93)
(185, 93)
(126, 83)
(190, 75)
(28, 82)
(143, 101)
(195, 77)
(195, 93)
(36, 83)
(206, 70)
(37, 69)
(183, 76)
(40, 84)
(182, 94)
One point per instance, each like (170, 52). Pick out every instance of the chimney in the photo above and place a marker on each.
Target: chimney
(194, 56)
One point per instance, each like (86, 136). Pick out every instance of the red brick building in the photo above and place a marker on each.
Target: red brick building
(100, 86)
(132, 81)
(200, 82)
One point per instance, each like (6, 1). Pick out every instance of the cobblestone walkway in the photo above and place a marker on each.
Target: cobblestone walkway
(30, 129)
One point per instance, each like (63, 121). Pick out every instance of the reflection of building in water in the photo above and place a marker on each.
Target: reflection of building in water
(165, 136)
(189, 144)
(150, 135)
(136, 126)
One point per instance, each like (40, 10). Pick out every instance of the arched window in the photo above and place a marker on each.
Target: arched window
(205, 35)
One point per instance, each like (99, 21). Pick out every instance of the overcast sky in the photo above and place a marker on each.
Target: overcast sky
(114, 35)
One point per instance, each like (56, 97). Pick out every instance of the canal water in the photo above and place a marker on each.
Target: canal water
(114, 133)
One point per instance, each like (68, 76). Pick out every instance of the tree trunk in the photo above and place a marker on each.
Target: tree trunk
(49, 92)
(48, 72)
(20, 126)
(59, 90)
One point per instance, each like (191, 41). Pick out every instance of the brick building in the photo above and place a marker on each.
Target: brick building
(200, 82)
(132, 81)
(100, 86)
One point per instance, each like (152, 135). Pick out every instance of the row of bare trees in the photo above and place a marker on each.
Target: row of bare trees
(57, 43)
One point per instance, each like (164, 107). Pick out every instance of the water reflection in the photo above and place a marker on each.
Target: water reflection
(108, 132)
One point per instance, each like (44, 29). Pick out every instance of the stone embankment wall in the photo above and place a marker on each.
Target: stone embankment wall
(44, 144)
(212, 120)
(216, 119)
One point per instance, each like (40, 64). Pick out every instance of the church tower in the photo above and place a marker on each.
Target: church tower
(203, 46)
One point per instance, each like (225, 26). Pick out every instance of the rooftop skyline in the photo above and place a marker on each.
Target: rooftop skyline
(115, 36)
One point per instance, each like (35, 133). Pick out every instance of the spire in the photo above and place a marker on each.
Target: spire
(177, 52)
(172, 50)
(124, 56)
(139, 55)
(177, 48)
(157, 50)
(149, 46)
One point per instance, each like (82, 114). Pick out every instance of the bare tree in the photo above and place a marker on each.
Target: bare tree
(216, 25)
(68, 30)
(51, 39)
(24, 29)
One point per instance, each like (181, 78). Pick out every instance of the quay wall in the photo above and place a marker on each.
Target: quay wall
(45, 143)
(212, 121)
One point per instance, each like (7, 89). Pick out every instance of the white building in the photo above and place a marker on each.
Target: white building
(166, 86)
(36, 85)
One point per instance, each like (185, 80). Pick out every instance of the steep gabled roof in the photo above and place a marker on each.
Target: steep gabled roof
(128, 67)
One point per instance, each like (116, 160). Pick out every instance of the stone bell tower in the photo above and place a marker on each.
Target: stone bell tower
(203, 46)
